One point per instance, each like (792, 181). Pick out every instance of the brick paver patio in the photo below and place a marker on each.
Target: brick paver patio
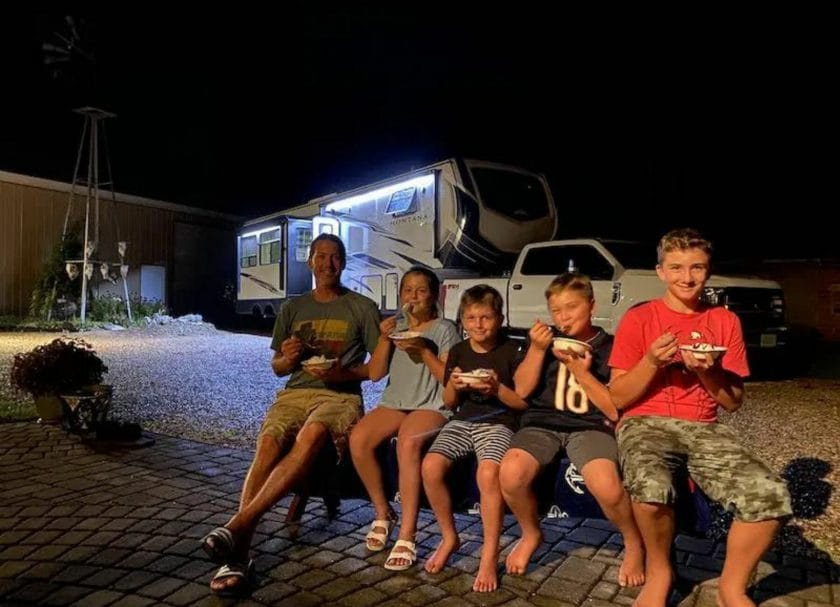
(81, 525)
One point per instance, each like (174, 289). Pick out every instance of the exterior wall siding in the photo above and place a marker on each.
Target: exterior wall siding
(32, 218)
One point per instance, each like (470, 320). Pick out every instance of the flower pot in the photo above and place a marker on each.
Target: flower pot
(50, 409)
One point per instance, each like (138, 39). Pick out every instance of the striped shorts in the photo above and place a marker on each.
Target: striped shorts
(460, 438)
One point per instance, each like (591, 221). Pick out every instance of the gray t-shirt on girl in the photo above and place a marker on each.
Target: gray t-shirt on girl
(411, 384)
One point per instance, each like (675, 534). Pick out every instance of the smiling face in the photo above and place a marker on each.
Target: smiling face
(571, 312)
(326, 262)
(684, 272)
(416, 291)
(482, 324)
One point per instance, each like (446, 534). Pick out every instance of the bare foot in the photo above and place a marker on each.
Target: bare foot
(632, 570)
(437, 561)
(486, 580)
(655, 591)
(518, 559)
(733, 598)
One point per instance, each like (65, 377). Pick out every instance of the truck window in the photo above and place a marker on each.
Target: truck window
(551, 261)
(521, 197)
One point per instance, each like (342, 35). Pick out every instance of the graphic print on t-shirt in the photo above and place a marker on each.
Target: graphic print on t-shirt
(569, 395)
(325, 337)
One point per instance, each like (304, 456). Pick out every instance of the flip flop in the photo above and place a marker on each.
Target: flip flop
(409, 554)
(243, 571)
(382, 538)
(218, 544)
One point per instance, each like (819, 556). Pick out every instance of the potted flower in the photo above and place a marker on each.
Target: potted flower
(63, 366)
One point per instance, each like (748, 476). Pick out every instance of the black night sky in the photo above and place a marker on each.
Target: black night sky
(702, 120)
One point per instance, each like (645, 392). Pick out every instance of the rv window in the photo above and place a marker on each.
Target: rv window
(270, 247)
(248, 252)
(302, 242)
(551, 261)
(520, 197)
(402, 201)
(270, 252)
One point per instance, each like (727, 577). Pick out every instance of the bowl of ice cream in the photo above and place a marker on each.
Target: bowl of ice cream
(318, 362)
(703, 351)
(403, 335)
(476, 376)
(568, 345)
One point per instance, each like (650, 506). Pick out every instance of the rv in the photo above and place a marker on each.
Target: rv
(272, 253)
(461, 218)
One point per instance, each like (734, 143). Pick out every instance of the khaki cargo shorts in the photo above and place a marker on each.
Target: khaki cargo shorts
(294, 408)
(651, 448)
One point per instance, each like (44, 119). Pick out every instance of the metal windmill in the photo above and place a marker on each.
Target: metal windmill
(92, 131)
(64, 50)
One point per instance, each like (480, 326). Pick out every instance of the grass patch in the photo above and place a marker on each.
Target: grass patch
(16, 411)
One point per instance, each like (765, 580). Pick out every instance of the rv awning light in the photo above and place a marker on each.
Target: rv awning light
(417, 182)
(258, 232)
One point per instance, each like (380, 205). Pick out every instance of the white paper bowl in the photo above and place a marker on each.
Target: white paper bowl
(571, 346)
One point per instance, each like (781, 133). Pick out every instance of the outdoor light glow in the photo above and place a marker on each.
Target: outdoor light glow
(258, 232)
(418, 182)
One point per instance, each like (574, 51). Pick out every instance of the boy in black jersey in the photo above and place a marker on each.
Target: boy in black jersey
(569, 407)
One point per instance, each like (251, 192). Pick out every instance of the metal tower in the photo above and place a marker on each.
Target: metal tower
(92, 131)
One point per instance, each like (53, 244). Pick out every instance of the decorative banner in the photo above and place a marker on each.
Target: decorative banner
(121, 247)
(90, 248)
(124, 271)
(72, 270)
(104, 269)
(89, 270)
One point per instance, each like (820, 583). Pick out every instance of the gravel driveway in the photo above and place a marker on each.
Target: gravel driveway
(195, 382)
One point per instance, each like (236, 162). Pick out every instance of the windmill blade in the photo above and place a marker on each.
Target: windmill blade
(52, 48)
(72, 25)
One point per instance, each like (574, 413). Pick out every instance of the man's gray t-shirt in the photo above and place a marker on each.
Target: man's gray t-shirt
(411, 384)
(345, 328)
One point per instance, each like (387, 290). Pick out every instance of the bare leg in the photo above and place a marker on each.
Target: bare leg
(366, 436)
(281, 480)
(744, 547)
(417, 430)
(492, 513)
(266, 484)
(602, 480)
(435, 467)
(516, 474)
(656, 524)
(269, 451)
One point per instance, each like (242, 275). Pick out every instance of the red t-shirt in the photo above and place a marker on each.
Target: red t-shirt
(675, 391)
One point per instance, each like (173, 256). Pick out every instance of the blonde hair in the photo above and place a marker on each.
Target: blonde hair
(681, 240)
(571, 281)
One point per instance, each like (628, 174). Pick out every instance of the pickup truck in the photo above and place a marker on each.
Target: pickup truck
(623, 276)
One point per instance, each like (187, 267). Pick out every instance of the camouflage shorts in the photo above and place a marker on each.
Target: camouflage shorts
(651, 448)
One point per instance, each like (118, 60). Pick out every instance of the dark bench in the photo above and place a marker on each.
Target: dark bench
(560, 490)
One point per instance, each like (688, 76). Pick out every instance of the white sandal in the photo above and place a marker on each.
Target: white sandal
(409, 553)
(378, 536)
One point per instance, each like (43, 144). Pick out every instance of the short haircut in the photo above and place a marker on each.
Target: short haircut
(571, 281)
(331, 238)
(681, 240)
(431, 277)
(483, 295)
